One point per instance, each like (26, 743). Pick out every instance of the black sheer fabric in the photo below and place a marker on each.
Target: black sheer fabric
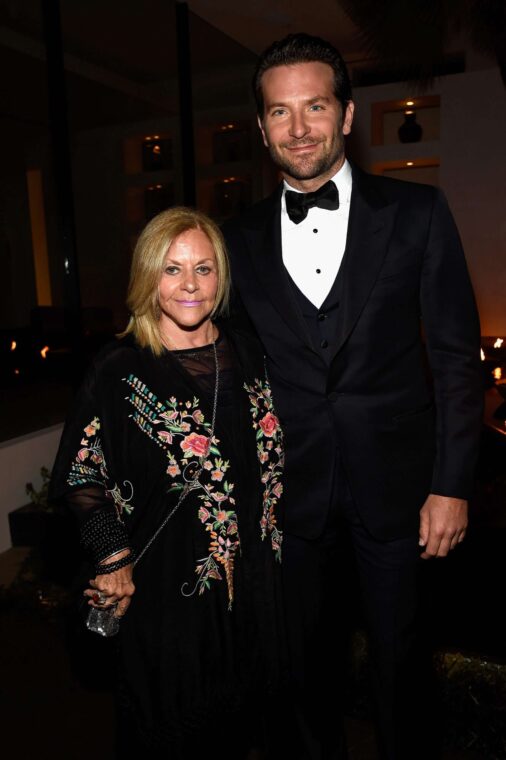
(200, 364)
(203, 636)
(84, 501)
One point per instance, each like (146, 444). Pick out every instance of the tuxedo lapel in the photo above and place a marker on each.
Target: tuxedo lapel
(369, 229)
(264, 240)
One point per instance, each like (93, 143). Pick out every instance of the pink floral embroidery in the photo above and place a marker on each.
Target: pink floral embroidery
(277, 489)
(203, 514)
(95, 469)
(224, 544)
(269, 425)
(83, 454)
(195, 444)
(270, 456)
(92, 428)
(185, 421)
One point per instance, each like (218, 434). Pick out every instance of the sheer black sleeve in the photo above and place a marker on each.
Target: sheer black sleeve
(102, 532)
(83, 477)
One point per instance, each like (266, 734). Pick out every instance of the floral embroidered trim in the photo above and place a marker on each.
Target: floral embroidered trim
(182, 422)
(270, 454)
(96, 471)
(225, 541)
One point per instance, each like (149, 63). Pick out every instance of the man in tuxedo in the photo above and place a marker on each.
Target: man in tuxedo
(358, 288)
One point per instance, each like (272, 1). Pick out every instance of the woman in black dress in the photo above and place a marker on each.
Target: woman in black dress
(180, 406)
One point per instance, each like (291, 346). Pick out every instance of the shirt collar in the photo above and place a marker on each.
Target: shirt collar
(342, 180)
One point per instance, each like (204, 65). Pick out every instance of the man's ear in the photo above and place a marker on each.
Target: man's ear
(262, 130)
(348, 117)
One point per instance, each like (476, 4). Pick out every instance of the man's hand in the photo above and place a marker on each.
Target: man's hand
(443, 523)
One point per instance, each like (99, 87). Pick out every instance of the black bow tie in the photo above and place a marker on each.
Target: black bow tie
(298, 204)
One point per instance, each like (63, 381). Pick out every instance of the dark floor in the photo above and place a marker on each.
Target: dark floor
(58, 706)
(47, 714)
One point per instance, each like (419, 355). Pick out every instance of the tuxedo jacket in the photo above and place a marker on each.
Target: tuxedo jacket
(401, 398)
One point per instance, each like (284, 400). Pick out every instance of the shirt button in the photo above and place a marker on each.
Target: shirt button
(333, 396)
(315, 230)
(324, 344)
(322, 317)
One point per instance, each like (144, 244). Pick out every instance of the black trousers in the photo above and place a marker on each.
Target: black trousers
(318, 578)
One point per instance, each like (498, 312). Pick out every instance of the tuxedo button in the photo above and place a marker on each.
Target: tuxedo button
(324, 344)
(333, 396)
(322, 317)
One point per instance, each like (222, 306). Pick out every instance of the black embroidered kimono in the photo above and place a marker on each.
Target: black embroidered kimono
(202, 633)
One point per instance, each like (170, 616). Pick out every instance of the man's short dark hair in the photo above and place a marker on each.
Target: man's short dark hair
(302, 48)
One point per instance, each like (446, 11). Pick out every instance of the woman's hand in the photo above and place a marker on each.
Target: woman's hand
(116, 587)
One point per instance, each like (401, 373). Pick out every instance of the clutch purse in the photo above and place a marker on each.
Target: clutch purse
(103, 621)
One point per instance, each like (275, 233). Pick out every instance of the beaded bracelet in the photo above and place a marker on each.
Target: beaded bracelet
(104, 535)
(113, 566)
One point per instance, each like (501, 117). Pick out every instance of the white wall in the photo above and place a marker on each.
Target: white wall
(472, 154)
(20, 463)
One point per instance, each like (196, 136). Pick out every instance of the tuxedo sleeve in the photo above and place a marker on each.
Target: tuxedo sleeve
(238, 317)
(452, 333)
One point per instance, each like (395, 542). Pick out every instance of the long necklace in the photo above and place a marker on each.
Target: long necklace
(194, 482)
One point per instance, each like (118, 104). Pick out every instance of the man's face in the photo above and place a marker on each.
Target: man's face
(303, 124)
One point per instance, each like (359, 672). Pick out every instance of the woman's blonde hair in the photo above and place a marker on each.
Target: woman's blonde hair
(147, 267)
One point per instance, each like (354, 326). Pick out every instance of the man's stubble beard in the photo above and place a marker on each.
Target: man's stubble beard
(309, 168)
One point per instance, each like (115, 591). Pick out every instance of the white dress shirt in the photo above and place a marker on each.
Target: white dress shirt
(313, 249)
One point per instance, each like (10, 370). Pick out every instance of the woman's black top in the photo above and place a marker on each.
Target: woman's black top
(203, 631)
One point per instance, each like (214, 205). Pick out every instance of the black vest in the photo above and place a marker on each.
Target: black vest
(322, 323)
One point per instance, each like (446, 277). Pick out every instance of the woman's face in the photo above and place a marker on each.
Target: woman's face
(189, 282)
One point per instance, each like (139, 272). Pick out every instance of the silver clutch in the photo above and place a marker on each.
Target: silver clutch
(103, 621)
